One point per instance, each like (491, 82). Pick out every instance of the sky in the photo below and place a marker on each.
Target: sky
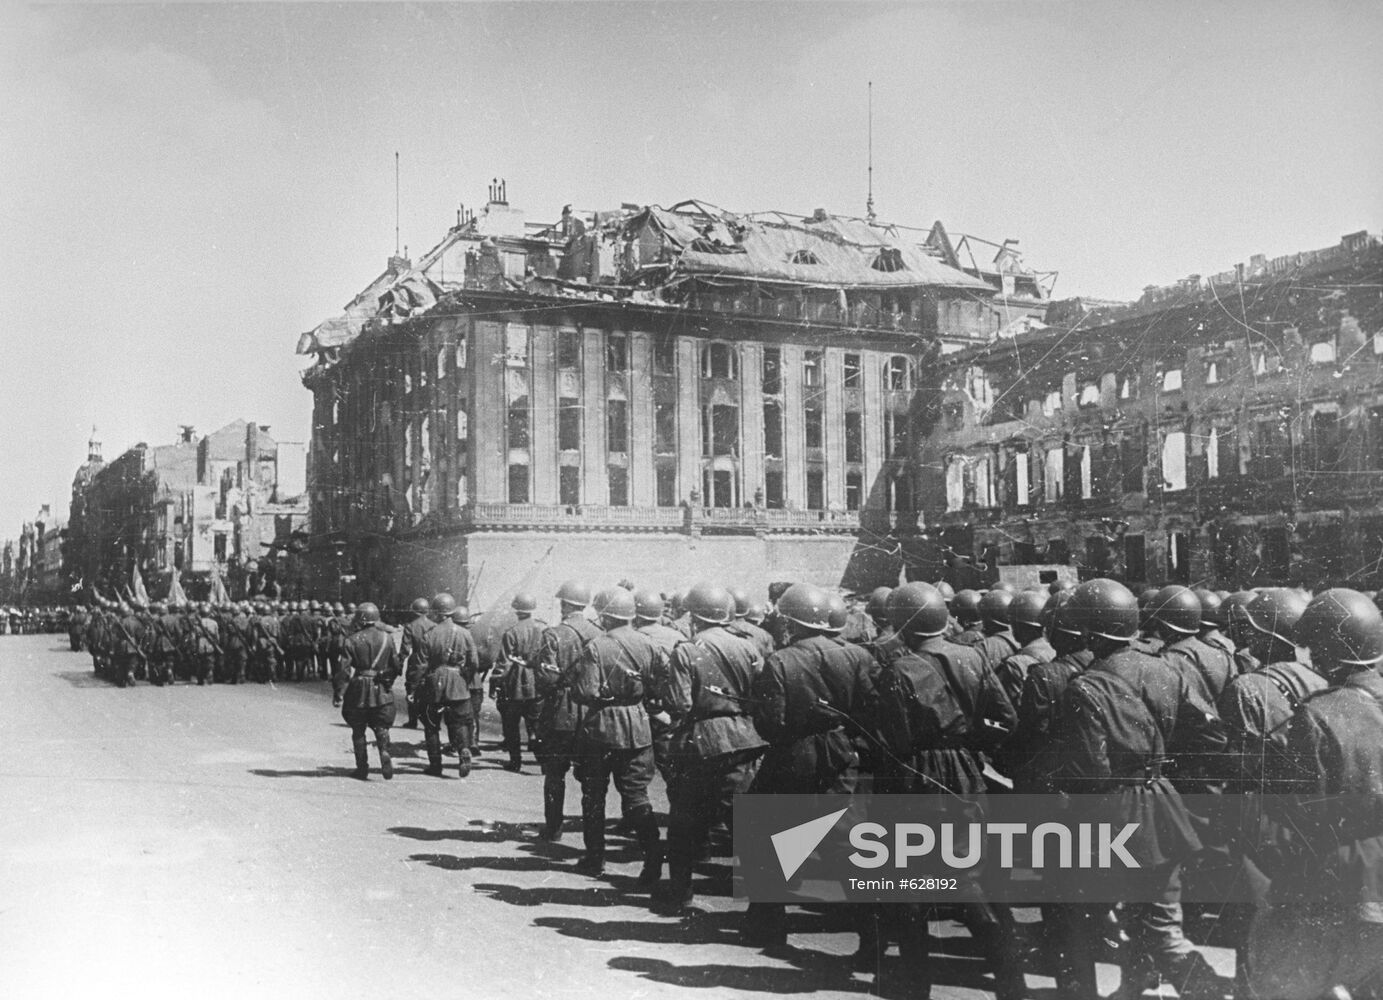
(184, 189)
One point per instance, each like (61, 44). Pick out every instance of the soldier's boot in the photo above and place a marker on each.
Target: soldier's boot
(386, 762)
(651, 846)
(362, 756)
(554, 807)
(433, 742)
(463, 764)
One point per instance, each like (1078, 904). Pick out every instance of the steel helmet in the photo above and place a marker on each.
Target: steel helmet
(966, 606)
(443, 604)
(1276, 611)
(367, 613)
(575, 593)
(917, 609)
(1059, 615)
(338, 608)
(838, 613)
(1342, 628)
(674, 602)
(648, 604)
(741, 598)
(615, 603)
(350, 608)
(525, 602)
(1027, 608)
(1059, 587)
(994, 607)
(1105, 608)
(877, 605)
(947, 592)
(1003, 586)
(1177, 608)
(461, 614)
(1212, 608)
(420, 606)
(709, 603)
(756, 613)
(807, 605)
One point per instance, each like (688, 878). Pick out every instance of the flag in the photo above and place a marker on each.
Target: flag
(175, 591)
(218, 590)
(137, 591)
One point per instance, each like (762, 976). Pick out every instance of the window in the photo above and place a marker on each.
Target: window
(1226, 447)
(568, 349)
(1212, 454)
(773, 371)
(816, 490)
(718, 361)
(895, 435)
(664, 355)
(815, 428)
(955, 483)
(773, 490)
(897, 374)
(811, 368)
(218, 546)
(1051, 403)
(568, 424)
(617, 425)
(773, 430)
(516, 345)
(665, 479)
(1054, 473)
(1174, 461)
(725, 430)
(1325, 440)
(518, 483)
(854, 437)
(1097, 554)
(518, 424)
(569, 485)
(1323, 352)
(461, 351)
(1277, 553)
(719, 485)
(1378, 342)
(664, 428)
(1087, 485)
(902, 494)
(804, 257)
(1128, 386)
(619, 486)
(854, 491)
(1021, 484)
(889, 259)
(1090, 394)
(854, 374)
(1179, 557)
(441, 362)
(462, 422)
(1212, 373)
(616, 354)
(1135, 558)
(1071, 466)
(1171, 380)
(1133, 457)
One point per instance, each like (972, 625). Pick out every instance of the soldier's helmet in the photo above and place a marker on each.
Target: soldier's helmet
(709, 603)
(350, 608)
(994, 607)
(741, 599)
(420, 606)
(616, 603)
(1177, 608)
(159, 608)
(838, 612)
(807, 605)
(367, 613)
(338, 608)
(443, 604)
(877, 605)
(1212, 608)
(1003, 586)
(674, 602)
(525, 602)
(575, 593)
(1059, 587)
(966, 605)
(648, 604)
(1105, 608)
(947, 592)
(917, 609)
(1027, 608)
(756, 613)
(461, 614)
(1344, 629)
(1059, 616)
(1276, 611)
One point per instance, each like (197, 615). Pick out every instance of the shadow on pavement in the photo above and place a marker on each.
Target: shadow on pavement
(748, 979)
(592, 894)
(325, 771)
(85, 679)
(701, 927)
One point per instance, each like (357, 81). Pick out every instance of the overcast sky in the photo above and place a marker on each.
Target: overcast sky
(187, 188)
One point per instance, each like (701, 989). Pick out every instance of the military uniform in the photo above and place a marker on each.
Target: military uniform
(299, 645)
(415, 662)
(1212, 665)
(758, 638)
(558, 717)
(204, 645)
(264, 647)
(1036, 743)
(127, 652)
(235, 648)
(1013, 669)
(372, 655)
(515, 687)
(444, 693)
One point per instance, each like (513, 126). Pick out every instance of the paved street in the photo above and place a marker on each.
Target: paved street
(210, 842)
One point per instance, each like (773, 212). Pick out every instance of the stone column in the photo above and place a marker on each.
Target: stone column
(751, 420)
(642, 490)
(542, 396)
(688, 417)
(595, 485)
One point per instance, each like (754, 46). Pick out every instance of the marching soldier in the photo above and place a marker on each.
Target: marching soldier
(998, 643)
(235, 645)
(1025, 619)
(613, 740)
(414, 659)
(444, 690)
(1176, 617)
(373, 657)
(204, 644)
(513, 684)
(562, 646)
(127, 646)
(965, 606)
(741, 627)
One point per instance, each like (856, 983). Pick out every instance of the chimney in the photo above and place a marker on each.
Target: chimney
(93, 446)
(186, 433)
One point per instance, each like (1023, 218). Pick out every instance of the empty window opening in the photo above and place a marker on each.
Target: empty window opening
(1174, 461)
(718, 361)
(854, 373)
(569, 485)
(854, 437)
(815, 428)
(811, 368)
(616, 354)
(568, 424)
(772, 371)
(1171, 380)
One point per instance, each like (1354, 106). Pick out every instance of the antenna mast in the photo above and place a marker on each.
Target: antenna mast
(396, 203)
(869, 202)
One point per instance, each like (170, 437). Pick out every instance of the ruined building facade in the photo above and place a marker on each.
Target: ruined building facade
(651, 393)
(1224, 431)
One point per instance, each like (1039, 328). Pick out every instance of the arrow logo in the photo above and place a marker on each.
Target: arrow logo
(795, 844)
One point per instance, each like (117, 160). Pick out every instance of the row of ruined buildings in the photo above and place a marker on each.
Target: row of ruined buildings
(669, 393)
(31, 564)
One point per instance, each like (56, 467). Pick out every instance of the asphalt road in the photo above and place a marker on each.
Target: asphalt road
(210, 842)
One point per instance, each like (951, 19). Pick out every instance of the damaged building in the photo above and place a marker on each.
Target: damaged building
(1225, 431)
(718, 393)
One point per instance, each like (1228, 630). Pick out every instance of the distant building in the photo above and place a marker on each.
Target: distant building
(231, 503)
(645, 392)
(1224, 431)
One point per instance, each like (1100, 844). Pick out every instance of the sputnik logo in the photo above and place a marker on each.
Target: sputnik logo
(795, 844)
